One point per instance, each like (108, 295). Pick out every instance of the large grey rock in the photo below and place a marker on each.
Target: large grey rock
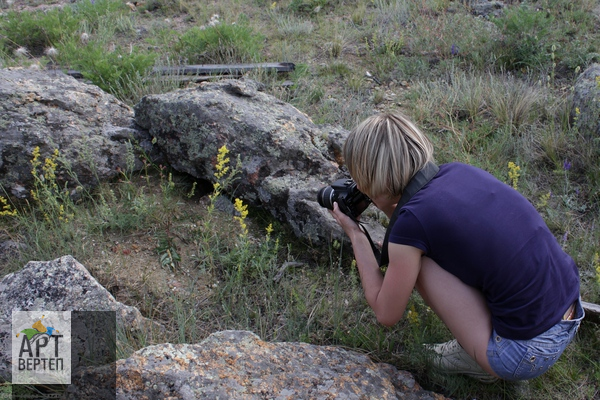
(59, 285)
(286, 158)
(90, 128)
(238, 365)
(585, 111)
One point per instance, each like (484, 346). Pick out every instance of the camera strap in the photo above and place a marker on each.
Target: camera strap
(420, 179)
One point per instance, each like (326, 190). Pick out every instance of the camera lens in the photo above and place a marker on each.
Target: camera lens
(325, 197)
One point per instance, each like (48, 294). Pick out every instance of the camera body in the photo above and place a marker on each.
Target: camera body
(351, 201)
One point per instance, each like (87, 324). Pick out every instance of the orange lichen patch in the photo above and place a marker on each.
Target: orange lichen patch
(182, 362)
(129, 379)
(289, 126)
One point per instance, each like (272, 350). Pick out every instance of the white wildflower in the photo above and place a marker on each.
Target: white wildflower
(51, 52)
(214, 20)
(22, 52)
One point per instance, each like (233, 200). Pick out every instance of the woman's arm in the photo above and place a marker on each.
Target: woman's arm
(387, 295)
(399, 282)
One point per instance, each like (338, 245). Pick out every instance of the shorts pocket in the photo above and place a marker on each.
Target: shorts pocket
(537, 361)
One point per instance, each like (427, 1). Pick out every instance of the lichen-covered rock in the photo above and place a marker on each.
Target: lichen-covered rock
(59, 285)
(238, 365)
(50, 110)
(272, 137)
(585, 111)
(285, 157)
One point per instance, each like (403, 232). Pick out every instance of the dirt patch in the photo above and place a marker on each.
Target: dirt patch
(130, 265)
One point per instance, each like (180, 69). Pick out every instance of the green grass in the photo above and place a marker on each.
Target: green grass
(488, 92)
(220, 44)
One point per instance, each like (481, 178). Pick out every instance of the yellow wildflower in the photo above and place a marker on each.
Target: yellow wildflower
(222, 167)
(49, 167)
(35, 154)
(62, 215)
(412, 316)
(543, 200)
(6, 209)
(513, 174)
(242, 209)
(35, 160)
(269, 230)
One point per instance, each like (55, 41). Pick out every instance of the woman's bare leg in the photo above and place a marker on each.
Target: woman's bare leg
(461, 307)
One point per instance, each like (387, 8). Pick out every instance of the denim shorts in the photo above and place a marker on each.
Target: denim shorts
(526, 359)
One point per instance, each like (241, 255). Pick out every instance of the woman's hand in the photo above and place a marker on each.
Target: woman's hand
(387, 296)
(349, 226)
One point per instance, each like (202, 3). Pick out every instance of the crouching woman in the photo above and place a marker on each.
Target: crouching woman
(475, 249)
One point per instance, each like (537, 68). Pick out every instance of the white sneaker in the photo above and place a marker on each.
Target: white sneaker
(451, 358)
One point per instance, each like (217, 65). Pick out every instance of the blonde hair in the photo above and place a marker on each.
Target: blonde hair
(384, 152)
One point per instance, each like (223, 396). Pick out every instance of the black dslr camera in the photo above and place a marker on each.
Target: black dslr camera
(351, 201)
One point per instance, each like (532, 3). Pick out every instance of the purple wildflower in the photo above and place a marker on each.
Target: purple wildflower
(566, 165)
(454, 50)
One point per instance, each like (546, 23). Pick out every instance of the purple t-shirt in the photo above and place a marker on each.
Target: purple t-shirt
(489, 236)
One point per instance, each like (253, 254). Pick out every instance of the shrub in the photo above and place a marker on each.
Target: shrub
(37, 31)
(220, 44)
(525, 43)
(113, 71)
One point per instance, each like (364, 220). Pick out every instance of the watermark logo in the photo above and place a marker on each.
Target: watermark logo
(41, 347)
